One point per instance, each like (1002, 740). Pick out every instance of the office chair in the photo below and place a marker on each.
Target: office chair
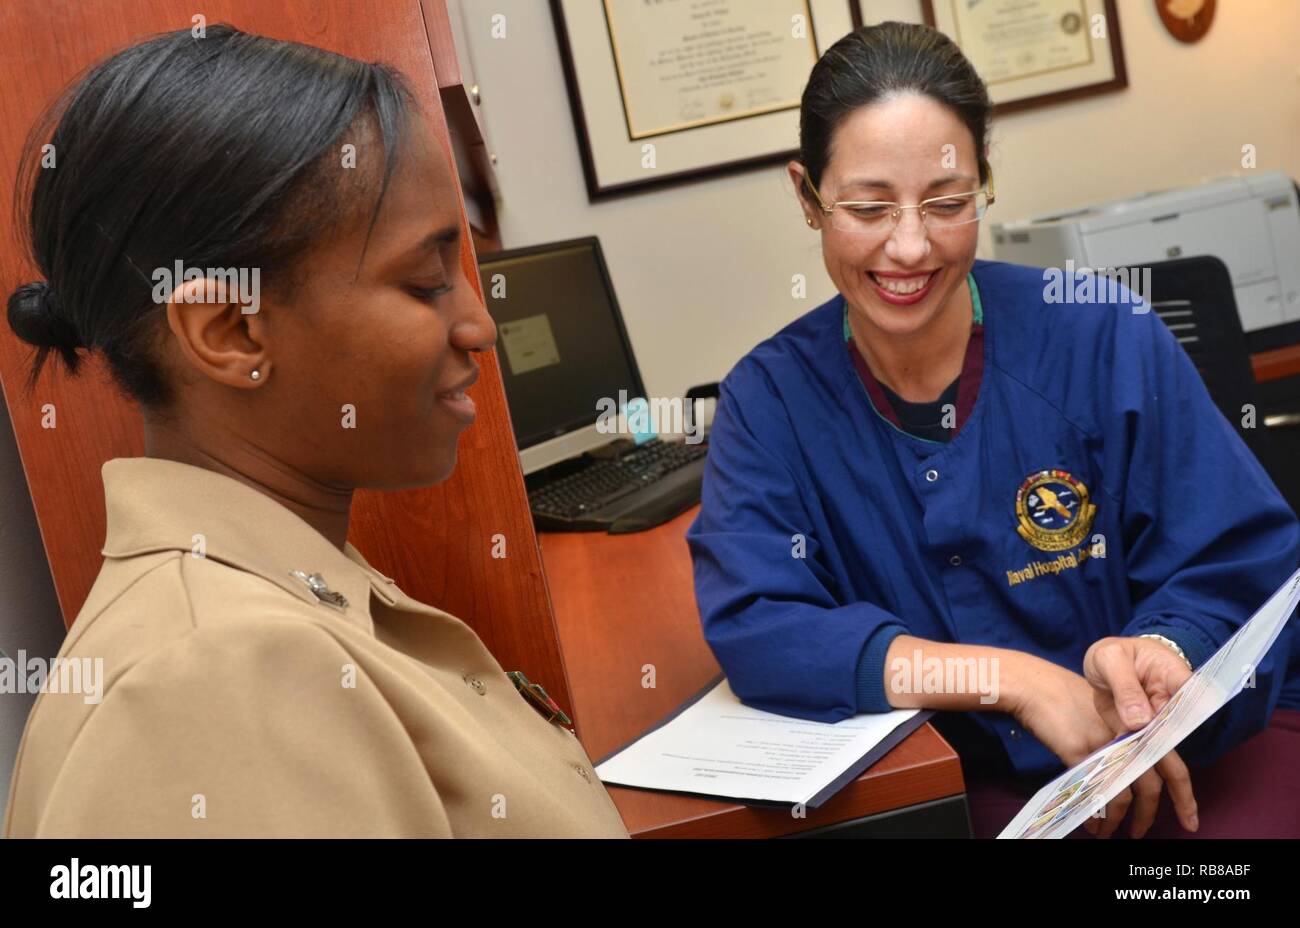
(1194, 298)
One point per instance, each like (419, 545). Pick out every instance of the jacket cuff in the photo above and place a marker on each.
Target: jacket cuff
(869, 679)
(1198, 648)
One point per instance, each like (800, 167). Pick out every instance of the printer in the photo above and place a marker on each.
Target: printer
(1250, 222)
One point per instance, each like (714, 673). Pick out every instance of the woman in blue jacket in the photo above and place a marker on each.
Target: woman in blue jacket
(950, 461)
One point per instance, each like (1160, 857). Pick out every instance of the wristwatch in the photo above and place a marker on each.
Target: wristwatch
(1172, 646)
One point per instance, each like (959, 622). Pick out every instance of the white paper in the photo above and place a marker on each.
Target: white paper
(1067, 802)
(721, 747)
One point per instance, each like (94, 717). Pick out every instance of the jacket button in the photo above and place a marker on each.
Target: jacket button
(475, 684)
(582, 772)
(931, 475)
(955, 560)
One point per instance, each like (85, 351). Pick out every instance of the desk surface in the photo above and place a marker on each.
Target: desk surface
(1276, 364)
(624, 608)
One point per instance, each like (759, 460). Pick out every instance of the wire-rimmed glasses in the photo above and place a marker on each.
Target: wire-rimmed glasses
(881, 216)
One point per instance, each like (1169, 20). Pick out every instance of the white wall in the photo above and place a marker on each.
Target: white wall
(703, 270)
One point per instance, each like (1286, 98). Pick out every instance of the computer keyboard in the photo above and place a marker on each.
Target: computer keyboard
(640, 488)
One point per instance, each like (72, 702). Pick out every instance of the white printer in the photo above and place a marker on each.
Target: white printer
(1250, 222)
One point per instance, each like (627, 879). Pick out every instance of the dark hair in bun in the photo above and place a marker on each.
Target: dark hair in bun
(215, 151)
(34, 317)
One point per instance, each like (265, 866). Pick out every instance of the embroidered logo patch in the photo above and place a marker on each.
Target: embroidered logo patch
(1053, 510)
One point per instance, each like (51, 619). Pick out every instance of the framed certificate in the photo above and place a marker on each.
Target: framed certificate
(664, 91)
(1035, 52)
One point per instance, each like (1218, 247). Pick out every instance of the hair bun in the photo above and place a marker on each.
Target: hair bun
(35, 317)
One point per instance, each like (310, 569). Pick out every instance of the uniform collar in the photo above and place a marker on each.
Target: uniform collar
(159, 505)
(969, 380)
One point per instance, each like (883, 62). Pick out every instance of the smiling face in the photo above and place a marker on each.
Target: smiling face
(898, 283)
(392, 339)
(363, 354)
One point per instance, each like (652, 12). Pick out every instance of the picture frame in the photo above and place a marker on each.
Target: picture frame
(653, 105)
(1048, 54)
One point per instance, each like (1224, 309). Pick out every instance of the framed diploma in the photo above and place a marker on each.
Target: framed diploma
(1035, 52)
(664, 91)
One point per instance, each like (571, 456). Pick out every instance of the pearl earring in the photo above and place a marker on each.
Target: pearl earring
(255, 374)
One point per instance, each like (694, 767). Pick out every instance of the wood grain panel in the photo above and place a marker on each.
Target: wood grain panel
(435, 542)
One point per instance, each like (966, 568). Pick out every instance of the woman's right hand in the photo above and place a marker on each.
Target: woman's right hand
(1057, 706)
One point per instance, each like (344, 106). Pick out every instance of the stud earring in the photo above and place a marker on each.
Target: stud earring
(255, 374)
(810, 223)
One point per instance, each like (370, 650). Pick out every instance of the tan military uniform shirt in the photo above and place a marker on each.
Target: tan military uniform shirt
(236, 702)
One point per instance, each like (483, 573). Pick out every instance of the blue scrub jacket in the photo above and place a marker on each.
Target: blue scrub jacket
(825, 531)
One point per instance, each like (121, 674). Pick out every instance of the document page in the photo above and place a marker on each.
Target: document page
(719, 747)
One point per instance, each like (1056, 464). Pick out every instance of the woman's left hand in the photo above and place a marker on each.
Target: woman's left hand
(1132, 678)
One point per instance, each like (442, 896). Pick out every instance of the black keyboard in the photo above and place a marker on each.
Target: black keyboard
(638, 489)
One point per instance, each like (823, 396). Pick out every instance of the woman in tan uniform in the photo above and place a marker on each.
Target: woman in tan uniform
(260, 679)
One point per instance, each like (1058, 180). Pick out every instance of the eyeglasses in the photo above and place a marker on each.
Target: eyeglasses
(880, 217)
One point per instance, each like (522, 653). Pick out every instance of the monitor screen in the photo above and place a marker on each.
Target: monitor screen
(560, 337)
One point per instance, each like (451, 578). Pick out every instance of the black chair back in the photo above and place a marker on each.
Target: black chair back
(1194, 298)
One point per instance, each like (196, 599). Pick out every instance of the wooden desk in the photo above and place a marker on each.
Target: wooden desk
(625, 604)
(1276, 364)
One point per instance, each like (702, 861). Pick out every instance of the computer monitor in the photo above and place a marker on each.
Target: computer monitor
(561, 344)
